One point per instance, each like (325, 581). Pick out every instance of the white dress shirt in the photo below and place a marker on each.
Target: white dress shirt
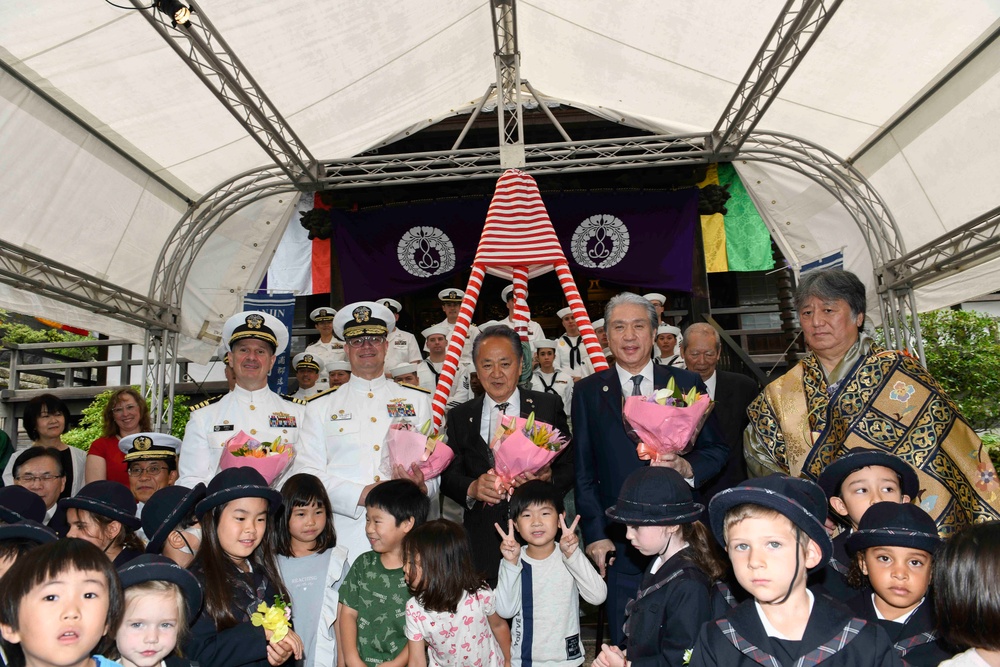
(645, 387)
(490, 418)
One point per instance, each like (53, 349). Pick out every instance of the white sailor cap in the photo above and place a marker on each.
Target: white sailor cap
(544, 345)
(363, 318)
(392, 305)
(655, 296)
(258, 325)
(451, 295)
(563, 312)
(438, 329)
(307, 360)
(668, 329)
(506, 294)
(403, 369)
(598, 324)
(324, 314)
(149, 447)
(338, 366)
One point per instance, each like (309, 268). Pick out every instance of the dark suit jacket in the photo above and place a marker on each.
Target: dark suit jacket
(733, 393)
(605, 455)
(472, 460)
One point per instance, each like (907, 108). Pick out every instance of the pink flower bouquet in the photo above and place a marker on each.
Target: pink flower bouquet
(523, 446)
(268, 458)
(407, 445)
(667, 422)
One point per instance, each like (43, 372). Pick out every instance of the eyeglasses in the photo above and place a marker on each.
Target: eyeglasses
(152, 470)
(361, 341)
(125, 408)
(31, 479)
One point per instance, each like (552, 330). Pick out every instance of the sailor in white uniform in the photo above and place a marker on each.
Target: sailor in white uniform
(254, 339)
(534, 329)
(351, 422)
(451, 304)
(659, 302)
(405, 374)
(339, 373)
(308, 371)
(403, 348)
(549, 379)
(429, 369)
(328, 348)
(571, 353)
(668, 347)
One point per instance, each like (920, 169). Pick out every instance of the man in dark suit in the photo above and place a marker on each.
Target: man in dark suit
(732, 393)
(497, 353)
(605, 454)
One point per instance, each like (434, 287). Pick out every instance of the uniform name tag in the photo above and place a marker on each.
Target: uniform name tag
(223, 427)
(281, 420)
(340, 417)
(401, 409)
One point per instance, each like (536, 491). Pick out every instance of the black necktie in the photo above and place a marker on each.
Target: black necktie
(636, 382)
(574, 352)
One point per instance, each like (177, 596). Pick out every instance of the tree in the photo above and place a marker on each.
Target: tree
(962, 348)
(92, 424)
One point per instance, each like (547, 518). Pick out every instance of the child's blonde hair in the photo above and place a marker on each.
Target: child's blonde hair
(750, 511)
(132, 593)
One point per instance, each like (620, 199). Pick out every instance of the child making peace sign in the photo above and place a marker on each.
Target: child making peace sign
(540, 587)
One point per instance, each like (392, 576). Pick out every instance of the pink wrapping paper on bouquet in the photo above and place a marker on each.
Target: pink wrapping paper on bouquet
(514, 452)
(270, 459)
(406, 445)
(665, 429)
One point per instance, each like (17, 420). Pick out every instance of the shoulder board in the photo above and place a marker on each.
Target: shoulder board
(293, 399)
(198, 406)
(413, 386)
(322, 393)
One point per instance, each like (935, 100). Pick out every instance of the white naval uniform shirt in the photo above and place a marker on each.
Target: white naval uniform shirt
(315, 389)
(328, 352)
(403, 349)
(262, 414)
(351, 422)
(466, 359)
(562, 385)
(461, 389)
(676, 360)
(564, 346)
(534, 329)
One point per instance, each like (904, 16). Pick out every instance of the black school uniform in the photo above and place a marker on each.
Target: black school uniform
(125, 555)
(177, 661)
(832, 578)
(670, 608)
(243, 644)
(916, 641)
(832, 636)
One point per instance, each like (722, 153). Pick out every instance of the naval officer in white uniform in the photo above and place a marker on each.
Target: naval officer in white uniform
(451, 304)
(351, 422)
(329, 348)
(253, 340)
(534, 329)
(403, 348)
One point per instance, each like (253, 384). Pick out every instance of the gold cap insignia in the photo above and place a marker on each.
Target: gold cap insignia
(142, 443)
(255, 321)
(308, 359)
(453, 294)
(362, 314)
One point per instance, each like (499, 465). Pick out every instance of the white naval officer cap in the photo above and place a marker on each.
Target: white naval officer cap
(363, 318)
(257, 325)
(392, 304)
(451, 295)
(307, 360)
(324, 314)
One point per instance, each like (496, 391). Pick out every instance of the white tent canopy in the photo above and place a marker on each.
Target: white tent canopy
(350, 76)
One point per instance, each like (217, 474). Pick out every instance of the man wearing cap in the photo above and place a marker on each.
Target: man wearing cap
(350, 422)
(534, 329)
(659, 302)
(254, 339)
(606, 454)
(429, 370)
(151, 460)
(451, 304)
(547, 378)
(403, 348)
(405, 374)
(340, 373)
(571, 353)
(308, 370)
(328, 348)
(667, 351)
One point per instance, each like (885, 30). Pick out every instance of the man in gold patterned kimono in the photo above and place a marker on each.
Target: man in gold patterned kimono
(850, 392)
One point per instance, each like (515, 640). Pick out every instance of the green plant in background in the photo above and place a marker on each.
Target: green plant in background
(13, 332)
(991, 441)
(92, 424)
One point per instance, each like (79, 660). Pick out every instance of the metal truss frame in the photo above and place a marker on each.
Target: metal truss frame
(510, 111)
(208, 55)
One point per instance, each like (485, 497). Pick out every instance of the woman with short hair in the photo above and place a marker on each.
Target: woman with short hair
(46, 418)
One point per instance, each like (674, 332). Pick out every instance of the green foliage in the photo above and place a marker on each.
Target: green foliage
(92, 424)
(992, 443)
(963, 354)
(13, 332)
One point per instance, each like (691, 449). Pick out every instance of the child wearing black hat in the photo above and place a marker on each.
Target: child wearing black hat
(853, 482)
(892, 551)
(170, 523)
(160, 599)
(773, 531)
(675, 597)
(237, 572)
(103, 513)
